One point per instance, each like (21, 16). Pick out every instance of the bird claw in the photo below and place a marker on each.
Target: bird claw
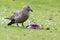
(17, 25)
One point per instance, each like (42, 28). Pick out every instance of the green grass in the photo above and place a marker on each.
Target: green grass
(43, 9)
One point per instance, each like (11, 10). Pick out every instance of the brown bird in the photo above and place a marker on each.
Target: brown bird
(20, 16)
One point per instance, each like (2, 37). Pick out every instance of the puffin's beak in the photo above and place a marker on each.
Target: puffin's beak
(31, 10)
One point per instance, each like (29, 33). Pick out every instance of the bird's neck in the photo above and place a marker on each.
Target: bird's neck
(25, 12)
